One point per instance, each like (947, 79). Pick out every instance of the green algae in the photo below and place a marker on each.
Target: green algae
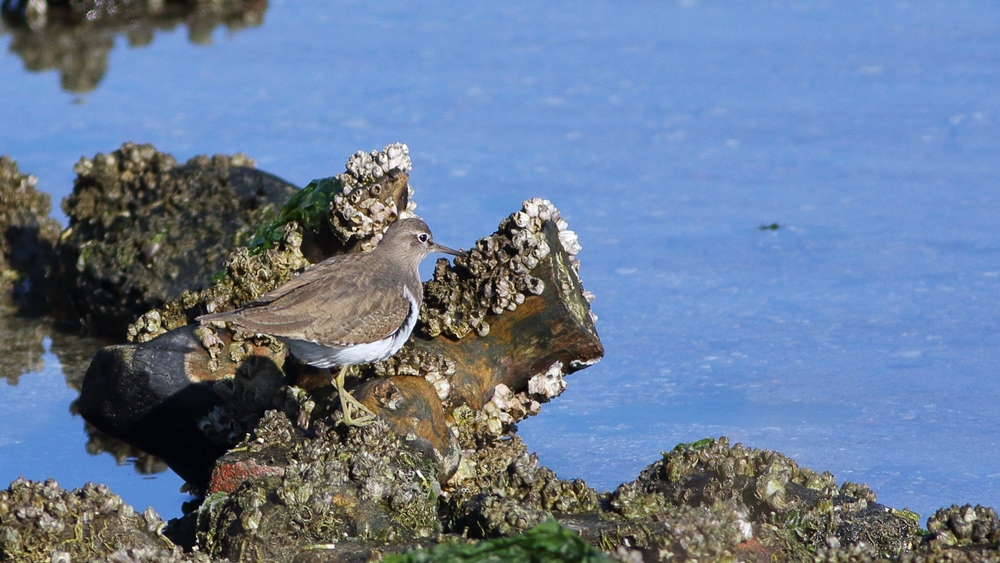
(548, 541)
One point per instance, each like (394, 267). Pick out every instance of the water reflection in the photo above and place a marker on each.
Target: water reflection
(99, 442)
(21, 342)
(24, 341)
(76, 38)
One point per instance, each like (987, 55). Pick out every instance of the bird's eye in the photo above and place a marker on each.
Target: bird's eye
(422, 237)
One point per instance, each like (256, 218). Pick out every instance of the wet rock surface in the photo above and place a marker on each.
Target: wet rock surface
(143, 229)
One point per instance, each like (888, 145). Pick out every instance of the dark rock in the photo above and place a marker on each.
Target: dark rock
(143, 230)
(148, 398)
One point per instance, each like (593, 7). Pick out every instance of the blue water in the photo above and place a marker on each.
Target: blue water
(860, 337)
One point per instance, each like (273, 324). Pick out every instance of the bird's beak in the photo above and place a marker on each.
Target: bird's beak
(445, 250)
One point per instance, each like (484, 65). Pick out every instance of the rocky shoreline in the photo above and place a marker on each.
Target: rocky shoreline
(152, 244)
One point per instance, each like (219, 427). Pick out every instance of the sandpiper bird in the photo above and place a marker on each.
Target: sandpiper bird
(349, 309)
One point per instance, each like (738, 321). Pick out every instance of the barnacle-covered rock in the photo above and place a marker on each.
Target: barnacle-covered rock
(364, 485)
(499, 488)
(963, 526)
(791, 507)
(43, 522)
(143, 229)
(27, 238)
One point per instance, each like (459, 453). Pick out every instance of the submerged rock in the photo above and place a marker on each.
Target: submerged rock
(143, 229)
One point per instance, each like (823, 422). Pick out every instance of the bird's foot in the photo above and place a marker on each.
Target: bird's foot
(353, 411)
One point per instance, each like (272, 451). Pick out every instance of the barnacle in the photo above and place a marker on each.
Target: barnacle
(435, 368)
(496, 275)
(85, 524)
(363, 209)
(499, 487)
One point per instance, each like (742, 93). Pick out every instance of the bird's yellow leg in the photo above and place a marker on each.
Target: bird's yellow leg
(355, 413)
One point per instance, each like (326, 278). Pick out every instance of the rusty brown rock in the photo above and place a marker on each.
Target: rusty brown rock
(411, 408)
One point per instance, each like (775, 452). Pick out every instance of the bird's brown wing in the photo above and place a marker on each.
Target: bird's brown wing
(325, 304)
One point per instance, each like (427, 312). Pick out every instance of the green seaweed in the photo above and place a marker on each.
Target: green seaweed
(695, 446)
(307, 207)
(547, 541)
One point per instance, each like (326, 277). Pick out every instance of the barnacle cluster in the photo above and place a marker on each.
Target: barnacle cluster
(548, 384)
(505, 408)
(798, 505)
(435, 368)
(124, 176)
(85, 524)
(364, 206)
(963, 526)
(499, 488)
(365, 484)
(496, 275)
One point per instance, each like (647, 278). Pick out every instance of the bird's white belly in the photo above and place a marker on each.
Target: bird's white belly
(327, 356)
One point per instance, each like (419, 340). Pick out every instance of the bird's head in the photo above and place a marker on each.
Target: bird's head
(413, 239)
